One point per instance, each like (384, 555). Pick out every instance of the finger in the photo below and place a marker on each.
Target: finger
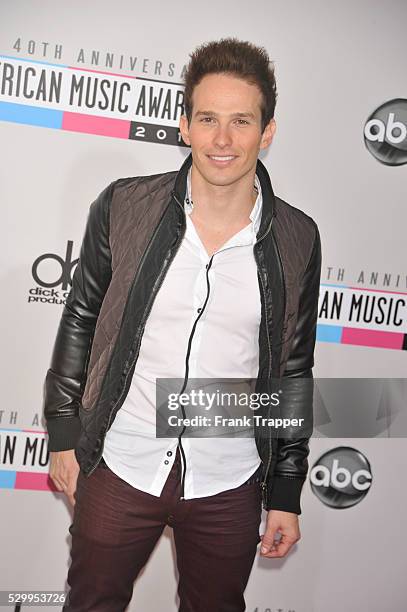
(65, 477)
(60, 478)
(267, 541)
(59, 485)
(280, 549)
(71, 499)
(265, 551)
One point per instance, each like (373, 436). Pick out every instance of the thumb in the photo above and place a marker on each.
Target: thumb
(267, 540)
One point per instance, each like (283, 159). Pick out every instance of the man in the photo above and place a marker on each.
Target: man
(197, 273)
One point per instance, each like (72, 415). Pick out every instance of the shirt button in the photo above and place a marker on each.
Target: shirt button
(166, 462)
(169, 453)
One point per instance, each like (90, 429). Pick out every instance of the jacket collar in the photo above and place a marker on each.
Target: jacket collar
(268, 208)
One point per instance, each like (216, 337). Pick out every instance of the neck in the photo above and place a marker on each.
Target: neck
(219, 204)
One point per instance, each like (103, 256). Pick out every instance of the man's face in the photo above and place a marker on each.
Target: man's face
(225, 129)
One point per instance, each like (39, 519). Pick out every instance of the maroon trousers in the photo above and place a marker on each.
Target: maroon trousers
(116, 527)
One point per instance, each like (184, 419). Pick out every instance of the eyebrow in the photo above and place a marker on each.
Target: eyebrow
(238, 115)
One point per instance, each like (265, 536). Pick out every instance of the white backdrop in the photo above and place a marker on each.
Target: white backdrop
(336, 63)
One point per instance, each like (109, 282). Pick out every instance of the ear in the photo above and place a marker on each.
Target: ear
(184, 129)
(268, 134)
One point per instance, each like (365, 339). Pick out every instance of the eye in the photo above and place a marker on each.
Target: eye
(206, 119)
(242, 122)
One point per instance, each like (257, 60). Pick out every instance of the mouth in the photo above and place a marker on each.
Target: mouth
(222, 160)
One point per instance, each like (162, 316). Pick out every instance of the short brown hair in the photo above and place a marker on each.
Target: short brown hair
(238, 58)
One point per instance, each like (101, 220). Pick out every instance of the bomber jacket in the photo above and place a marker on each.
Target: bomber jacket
(133, 231)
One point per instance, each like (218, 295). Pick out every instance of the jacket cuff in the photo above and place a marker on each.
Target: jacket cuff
(284, 494)
(63, 433)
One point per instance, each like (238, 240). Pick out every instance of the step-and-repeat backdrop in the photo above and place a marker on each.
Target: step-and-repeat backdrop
(90, 92)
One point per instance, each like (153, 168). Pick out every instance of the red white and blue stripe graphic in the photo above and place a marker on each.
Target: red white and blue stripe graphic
(364, 317)
(90, 101)
(24, 460)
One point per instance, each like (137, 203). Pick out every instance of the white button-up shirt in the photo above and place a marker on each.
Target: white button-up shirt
(224, 345)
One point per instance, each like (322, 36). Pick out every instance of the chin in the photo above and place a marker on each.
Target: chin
(220, 179)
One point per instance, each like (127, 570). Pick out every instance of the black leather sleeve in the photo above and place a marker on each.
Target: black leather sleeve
(65, 379)
(291, 460)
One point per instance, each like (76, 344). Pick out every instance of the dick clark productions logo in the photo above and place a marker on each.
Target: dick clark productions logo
(341, 477)
(385, 133)
(53, 276)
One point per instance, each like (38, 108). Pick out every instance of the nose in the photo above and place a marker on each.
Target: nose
(222, 136)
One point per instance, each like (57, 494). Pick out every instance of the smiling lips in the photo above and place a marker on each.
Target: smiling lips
(222, 159)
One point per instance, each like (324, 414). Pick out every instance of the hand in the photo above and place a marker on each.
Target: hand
(287, 524)
(64, 470)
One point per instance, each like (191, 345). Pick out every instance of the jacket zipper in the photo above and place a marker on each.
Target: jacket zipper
(142, 323)
(263, 483)
(280, 265)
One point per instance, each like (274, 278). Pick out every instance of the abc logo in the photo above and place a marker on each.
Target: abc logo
(341, 477)
(385, 133)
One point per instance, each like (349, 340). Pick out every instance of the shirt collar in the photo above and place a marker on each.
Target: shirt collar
(255, 215)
